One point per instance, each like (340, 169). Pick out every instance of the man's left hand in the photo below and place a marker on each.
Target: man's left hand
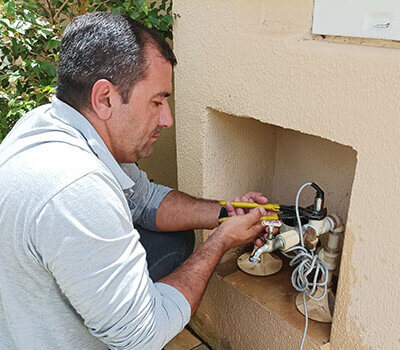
(253, 197)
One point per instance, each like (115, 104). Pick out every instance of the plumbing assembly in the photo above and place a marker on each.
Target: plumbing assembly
(315, 265)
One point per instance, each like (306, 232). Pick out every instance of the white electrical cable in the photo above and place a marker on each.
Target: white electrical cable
(307, 263)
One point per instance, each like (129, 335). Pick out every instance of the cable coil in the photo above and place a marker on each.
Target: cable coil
(307, 262)
(309, 266)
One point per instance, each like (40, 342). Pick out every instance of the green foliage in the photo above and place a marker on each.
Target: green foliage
(30, 33)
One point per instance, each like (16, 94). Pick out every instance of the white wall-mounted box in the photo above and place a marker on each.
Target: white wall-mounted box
(379, 19)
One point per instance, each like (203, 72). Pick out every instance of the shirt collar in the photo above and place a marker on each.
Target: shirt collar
(72, 117)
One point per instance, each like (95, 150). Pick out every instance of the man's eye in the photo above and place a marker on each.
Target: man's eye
(157, 104)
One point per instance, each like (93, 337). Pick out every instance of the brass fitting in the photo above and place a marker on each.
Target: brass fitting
(310, 239)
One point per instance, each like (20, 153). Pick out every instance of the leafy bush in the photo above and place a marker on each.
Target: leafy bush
(30, 33)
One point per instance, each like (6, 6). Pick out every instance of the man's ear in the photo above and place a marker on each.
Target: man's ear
(102, 96)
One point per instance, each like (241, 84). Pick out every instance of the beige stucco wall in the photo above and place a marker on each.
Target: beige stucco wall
(258, 59)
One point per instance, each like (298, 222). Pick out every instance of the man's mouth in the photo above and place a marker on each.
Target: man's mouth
(156, 133)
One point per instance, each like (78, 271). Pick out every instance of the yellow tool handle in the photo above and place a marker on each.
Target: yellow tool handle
(268, 206)
(270, 217)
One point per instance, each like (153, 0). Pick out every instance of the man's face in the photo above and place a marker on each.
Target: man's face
(138, 123)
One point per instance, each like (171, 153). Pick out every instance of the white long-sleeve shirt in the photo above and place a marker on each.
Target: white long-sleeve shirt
(73, 274)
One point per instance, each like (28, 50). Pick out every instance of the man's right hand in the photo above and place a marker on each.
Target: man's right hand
(192, 276)
(238, 230)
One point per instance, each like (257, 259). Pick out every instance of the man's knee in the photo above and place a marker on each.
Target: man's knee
(174, 255)
(166, 250)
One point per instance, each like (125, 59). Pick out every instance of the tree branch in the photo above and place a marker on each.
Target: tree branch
(101, 4)
(45, 9)
(50, 11)
(60, 9)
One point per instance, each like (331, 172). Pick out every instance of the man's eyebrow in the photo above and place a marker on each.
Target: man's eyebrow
(162, 94)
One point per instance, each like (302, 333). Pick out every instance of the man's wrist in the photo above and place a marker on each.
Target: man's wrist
(217, 241)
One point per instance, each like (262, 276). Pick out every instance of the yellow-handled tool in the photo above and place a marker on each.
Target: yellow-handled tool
(268, 206)
(271, 217)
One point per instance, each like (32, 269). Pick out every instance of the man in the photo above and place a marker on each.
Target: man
(73, 268)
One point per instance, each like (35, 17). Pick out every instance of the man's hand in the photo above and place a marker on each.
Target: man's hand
(253, 197)
(240, 229)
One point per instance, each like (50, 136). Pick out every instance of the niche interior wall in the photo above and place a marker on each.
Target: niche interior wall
(254, 87)
(242, 154)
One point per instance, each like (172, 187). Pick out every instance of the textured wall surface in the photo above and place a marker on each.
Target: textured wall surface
(257, 59)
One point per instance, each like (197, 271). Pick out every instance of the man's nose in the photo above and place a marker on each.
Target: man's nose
(165, 118)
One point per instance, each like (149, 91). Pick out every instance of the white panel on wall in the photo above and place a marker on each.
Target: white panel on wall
(378, 19)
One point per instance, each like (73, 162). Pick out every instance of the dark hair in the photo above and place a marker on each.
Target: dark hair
(103, 45)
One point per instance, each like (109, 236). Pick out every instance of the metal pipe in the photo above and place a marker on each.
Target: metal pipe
(269, 246)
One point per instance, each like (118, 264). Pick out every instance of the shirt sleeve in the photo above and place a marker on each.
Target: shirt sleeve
(87, 241)
(144, 197)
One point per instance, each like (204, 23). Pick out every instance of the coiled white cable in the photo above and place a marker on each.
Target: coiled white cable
(307, 263)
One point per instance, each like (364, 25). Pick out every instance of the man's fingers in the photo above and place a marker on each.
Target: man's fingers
(255, 225)
(257, 197)
(239, 211)
(230, 209)
(258, 242)
(255, 215)
(256, 229)
(252, 197)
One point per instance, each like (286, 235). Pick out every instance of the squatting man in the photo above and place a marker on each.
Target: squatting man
(93, 255)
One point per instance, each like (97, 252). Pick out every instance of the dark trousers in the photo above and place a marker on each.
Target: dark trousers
(165, 250)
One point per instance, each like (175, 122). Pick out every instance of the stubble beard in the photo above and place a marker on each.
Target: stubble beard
(148, 149)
